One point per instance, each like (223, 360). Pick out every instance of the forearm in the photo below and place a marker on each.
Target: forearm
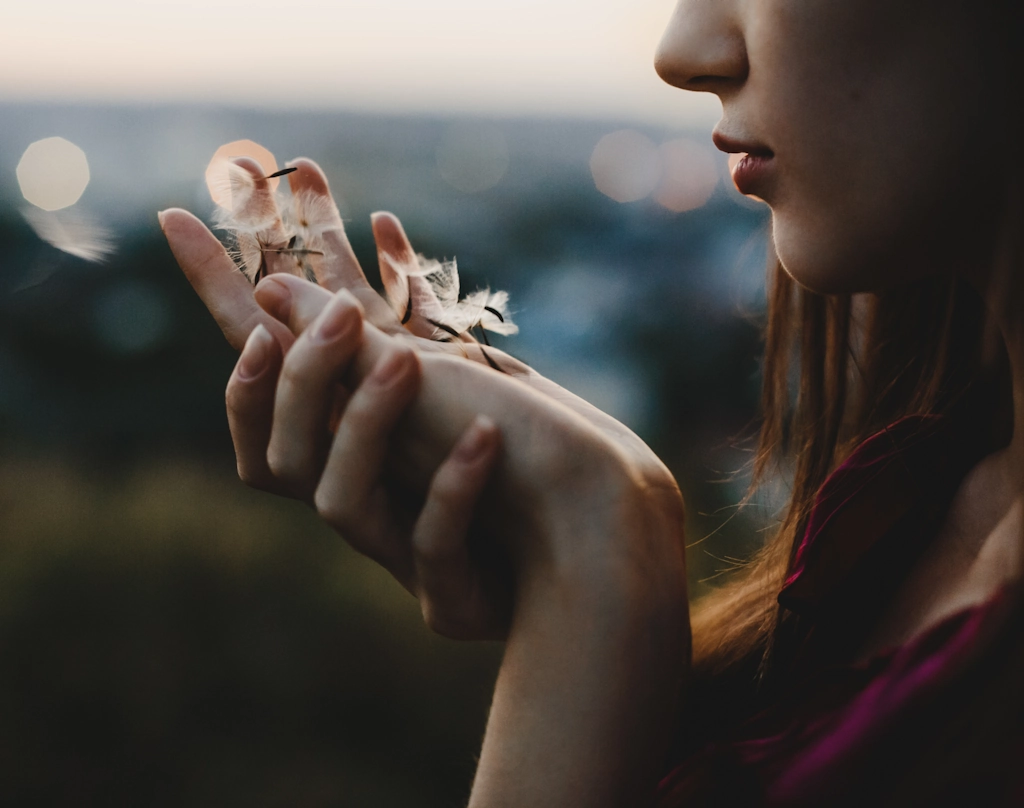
(588, 693)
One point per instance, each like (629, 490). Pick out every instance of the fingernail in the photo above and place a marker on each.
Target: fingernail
(337, 321)
(392, 368)
(275, 298)
(160, 218)
(475, 441)
(255, 354)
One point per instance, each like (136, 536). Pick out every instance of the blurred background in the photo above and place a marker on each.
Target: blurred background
(169, 637)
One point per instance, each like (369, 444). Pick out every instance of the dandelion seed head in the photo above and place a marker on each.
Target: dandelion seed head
(433, 288)
(309, 216)
(442, 277)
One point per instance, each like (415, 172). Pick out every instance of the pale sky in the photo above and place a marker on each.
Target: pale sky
(565, 57)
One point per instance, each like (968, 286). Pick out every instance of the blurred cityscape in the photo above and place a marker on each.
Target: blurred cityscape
(168, 637)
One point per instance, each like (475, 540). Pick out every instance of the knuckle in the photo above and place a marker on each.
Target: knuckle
(366, 415)
(250, 476)
(448, 490)
(235, 398)
(451, 623)
(334, 511)
(433, 549)
(361, 407)
(435, 619)
(285, 466)
(410, 356)
(295, 370)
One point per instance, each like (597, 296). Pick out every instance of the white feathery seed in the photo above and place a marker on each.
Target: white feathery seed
(258, 223)
(434, 289)
(73, 232)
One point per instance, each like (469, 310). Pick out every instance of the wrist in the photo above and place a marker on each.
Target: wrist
(596, 660)
(615, 533)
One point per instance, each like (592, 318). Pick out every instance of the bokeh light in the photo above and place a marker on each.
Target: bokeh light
(217, 171)
(688, 175)
(626, 166)
(53, 173)
(472, 157)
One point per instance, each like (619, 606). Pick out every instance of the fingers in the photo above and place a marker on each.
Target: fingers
(250, 405)
(293, 301)
(448, 586)
(260, 235)
(319, 219)
(319, 216)
(303, 408)
(411, 296)
(393, 253)
(350, 496)
(297, 303)
(225, 291)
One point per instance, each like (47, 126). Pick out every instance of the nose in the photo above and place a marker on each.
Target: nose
(703, 47)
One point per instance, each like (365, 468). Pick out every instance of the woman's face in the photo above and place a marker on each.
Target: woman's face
(870, 123)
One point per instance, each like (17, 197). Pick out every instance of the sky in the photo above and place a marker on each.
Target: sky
(580, 58)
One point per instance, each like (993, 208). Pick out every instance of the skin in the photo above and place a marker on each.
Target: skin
(879, 114)
(606, 584)
(871, 109)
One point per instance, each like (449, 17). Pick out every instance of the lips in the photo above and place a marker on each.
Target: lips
(751, 173)
(753, 170)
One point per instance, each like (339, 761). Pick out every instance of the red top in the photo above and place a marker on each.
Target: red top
(837, 730)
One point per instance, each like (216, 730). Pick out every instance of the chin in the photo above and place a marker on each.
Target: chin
(830, 263)
(812, 262)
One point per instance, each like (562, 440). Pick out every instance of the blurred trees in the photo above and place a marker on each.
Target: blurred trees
(168, 637)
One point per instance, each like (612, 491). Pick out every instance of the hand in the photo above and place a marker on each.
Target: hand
(282, 427)
(597, 649)
(590, 519)
(230, 298)
(428, 555)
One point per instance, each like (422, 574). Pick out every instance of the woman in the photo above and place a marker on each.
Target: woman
(871, 652)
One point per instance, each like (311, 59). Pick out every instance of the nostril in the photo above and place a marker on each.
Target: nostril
(709, 83)
(705, 83)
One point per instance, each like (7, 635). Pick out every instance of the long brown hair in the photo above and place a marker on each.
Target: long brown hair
(861, 364)
(837, 370)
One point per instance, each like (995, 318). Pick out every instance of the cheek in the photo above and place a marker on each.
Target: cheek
(878, 139)
(898, 230)
(886, 197)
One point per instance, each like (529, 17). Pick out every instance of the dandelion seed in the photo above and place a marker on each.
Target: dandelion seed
(430, 290)
(263, 223)
(310, 217)
(73, 232)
